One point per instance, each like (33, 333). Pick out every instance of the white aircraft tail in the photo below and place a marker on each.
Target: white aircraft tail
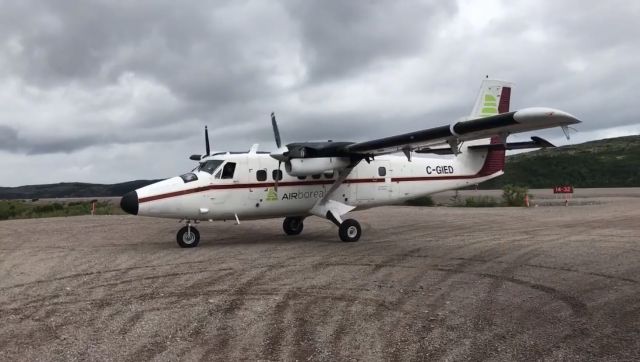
(493, 98)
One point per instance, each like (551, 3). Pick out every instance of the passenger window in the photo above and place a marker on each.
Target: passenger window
(302, 177)
(276, 174)
(382, 171)
(228, 170)
(328, 174)
(261, 175)
(315, 177)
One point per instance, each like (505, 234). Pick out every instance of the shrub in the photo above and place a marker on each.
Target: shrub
(514, 195)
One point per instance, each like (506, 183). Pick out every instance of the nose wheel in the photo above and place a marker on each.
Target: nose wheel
(188, 237)
(349, 230)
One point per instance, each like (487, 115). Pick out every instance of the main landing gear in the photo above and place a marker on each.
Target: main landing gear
(292, 225)
(188, 237)
(349, 230)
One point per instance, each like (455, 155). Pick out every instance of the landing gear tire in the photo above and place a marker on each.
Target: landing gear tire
(292, 225)
(188, 237)
(350, 230)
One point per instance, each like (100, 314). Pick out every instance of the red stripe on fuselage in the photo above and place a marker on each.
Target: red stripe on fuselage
(253, 185)
(300, 183)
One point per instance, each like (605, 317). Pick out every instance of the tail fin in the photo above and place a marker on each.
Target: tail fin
(494, 98)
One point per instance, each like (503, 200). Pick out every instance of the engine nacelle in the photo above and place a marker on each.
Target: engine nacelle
(314, 166)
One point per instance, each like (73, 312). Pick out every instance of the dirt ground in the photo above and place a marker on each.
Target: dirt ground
(425, 283)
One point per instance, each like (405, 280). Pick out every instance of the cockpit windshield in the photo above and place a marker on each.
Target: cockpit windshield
(209, 166)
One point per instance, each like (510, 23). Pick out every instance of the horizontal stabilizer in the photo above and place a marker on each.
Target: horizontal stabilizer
(536, 142)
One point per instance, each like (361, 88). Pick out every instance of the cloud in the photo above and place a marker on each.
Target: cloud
(80, 78)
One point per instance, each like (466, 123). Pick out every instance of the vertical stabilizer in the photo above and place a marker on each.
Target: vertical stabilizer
(494, 98)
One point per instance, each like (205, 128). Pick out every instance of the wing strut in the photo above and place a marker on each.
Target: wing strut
(331, 209)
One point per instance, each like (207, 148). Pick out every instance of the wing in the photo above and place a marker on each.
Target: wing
(528, 119)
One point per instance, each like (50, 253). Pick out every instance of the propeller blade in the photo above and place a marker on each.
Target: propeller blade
(206, 140)
(275, 185)
(276, 132)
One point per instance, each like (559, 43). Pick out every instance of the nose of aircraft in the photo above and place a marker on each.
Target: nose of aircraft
(129, 203)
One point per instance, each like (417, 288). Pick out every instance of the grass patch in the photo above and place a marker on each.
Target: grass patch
(481, 201)
(21, 209)
(421, 201)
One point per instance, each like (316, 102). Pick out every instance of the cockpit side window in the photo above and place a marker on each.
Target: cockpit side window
(188, 177)
(228, 170)
(209, 166)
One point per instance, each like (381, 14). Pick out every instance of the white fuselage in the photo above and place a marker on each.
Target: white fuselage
(386, 180)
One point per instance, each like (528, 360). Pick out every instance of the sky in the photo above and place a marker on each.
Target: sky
(112, 91)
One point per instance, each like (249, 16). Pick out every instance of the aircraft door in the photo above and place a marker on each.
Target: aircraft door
(228, 172)
(258, 179)
(376, 178)
(384, 189)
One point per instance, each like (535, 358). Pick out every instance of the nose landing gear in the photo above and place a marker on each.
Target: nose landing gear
(188, 237)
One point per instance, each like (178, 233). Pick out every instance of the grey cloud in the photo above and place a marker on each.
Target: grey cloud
(228, 64)
(340, 37)
(8, 138)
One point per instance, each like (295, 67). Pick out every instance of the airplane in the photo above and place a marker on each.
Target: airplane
(329, 179)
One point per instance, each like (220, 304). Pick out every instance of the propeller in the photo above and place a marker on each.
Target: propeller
(208, 149)
(206, 140)
(281, 154)
(276, 132)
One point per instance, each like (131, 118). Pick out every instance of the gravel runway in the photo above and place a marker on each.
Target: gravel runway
(423, 283)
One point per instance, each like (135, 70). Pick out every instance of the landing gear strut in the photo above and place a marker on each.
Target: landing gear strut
(349, 230)
(188, 237)
(292, 225)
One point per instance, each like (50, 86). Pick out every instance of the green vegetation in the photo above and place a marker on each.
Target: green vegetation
(420, 201)
(481, 201)
(514, 195)
(511, 196)
(71, 190)
(611, 162)
(21, 209)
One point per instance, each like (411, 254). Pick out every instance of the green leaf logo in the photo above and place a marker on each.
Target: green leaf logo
(272, 195)
(490, 106)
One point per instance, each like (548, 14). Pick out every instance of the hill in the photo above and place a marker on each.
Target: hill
(71, 189)
(613, 162)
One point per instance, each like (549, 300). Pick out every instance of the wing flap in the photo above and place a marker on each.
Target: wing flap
(536, 142)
